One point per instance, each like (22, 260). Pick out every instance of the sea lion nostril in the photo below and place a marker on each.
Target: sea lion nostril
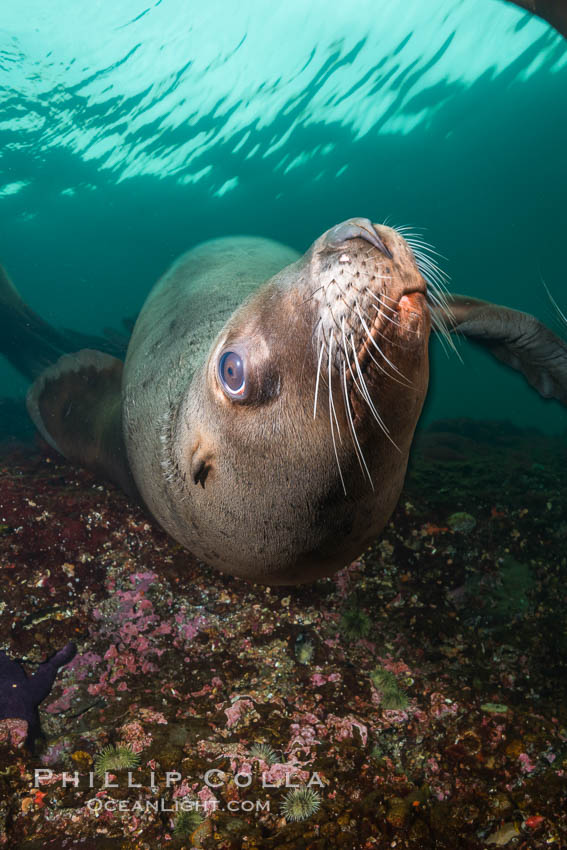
(357, 228)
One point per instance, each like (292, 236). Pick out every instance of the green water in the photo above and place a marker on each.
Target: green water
(130, 132)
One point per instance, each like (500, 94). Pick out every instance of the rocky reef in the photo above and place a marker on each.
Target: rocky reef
(417, 699)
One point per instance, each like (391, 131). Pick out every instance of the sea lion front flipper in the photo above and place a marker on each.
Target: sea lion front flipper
(517, 339)
(76, 406)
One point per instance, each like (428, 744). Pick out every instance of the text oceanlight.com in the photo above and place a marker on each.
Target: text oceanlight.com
(96, 805)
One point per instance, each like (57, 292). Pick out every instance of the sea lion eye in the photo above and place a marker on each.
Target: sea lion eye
(232, 374)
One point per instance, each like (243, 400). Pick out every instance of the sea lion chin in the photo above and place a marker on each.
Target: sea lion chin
(268, 401)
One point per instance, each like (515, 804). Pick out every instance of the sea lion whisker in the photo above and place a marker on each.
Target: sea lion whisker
(423, 252)
(441, 297)
(363, 391)
(413, 230)
(321, 352)
(332, 404)
(414, 241)
(434, 282)
(384, 316)
(443, 340)
(315, 291)
(441, 327)
(389, 362)
(442, 320)
(311, 346)
(403, 229)
(366, 394)
(352, 429)
(385, 277)
(338, 327)
(389, 318)
(378, 332)
(440, 300)
(331, 414)
(425, 258)
(419, 239)
(380, 302)
(344, 349)
(385, 371)
(397, 324)
(380, 352)
(361, 384)
(554, 303)
(379, 311)
(388, 297)
(432, 274)
(316, 329)
(425, 262)
(447, 343)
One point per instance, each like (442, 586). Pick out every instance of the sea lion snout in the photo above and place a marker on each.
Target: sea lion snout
(362, 272)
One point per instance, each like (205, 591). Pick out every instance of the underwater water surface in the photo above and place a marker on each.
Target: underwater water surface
(416, 699)
(129, 132)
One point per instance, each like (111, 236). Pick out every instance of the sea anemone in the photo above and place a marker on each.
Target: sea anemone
(264, 752)
(112, 759)
(300, 804)
(304, 649)
(186, 823)
(394, 698)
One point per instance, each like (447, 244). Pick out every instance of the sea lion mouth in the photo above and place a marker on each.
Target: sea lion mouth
(398, 327)
(411, 307)
(396, 321)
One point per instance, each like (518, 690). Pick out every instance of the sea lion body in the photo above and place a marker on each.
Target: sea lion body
(272, 507)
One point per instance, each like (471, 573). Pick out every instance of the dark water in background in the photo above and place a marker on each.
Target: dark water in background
(128, 133)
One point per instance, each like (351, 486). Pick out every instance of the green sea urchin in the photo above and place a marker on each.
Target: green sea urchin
(112, 759)
(300, 804)
(354, 623)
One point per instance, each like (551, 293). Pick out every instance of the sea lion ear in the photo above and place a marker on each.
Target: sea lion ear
(518, 339)
(76, 406)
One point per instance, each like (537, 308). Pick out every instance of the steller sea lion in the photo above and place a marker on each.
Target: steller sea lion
(268, 401)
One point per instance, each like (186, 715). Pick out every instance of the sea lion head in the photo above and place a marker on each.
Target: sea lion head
(288, 452)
